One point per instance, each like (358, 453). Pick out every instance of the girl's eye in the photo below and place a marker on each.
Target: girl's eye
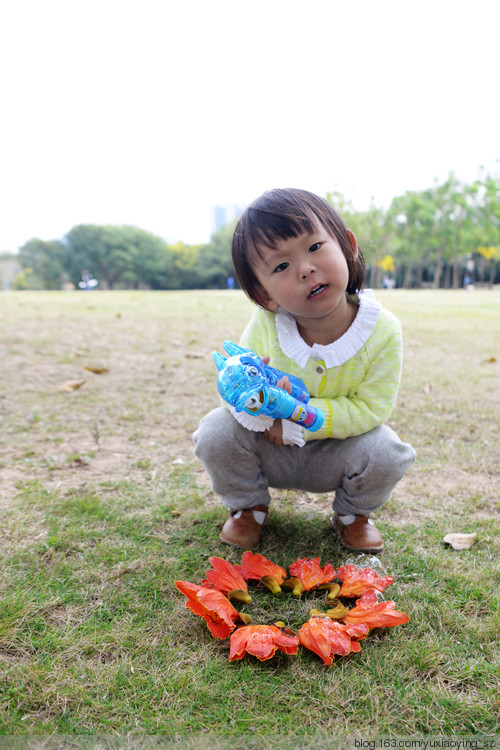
(281, 267)
(315, 247)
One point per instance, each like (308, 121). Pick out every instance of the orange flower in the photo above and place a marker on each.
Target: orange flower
(258, 567)
(327, 637)
(262, 641)
(375, 614)
(310, 574)
(227, 578)
(357, 581)
(212, 605)
(254, 566)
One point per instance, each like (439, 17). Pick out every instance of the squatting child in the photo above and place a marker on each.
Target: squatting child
(296, 259)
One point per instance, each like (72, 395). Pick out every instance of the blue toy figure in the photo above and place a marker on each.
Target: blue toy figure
(249, 385)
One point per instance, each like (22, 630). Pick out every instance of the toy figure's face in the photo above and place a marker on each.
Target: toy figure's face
(241, 382)
(242, 370)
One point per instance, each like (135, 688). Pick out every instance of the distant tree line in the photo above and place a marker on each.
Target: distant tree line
(124, 257)
(438, 237)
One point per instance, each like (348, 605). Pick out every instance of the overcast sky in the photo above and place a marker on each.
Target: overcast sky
(150, 112)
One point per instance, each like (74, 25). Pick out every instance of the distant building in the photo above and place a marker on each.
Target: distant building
(222, 215)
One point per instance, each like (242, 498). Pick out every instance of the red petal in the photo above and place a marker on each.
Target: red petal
(327, 638)
(357, 581)
(261, 641)
(238, 644)
(357, 631)
(254, 566)
(319, 636)
(375, 614)
(224, 576)
(287, 642)
(190, 590)
(312, 637)
(310, 572)
(212, 605)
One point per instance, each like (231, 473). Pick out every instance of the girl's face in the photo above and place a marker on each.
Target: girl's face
(305, 275)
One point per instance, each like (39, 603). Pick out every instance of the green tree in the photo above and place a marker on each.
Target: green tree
(150, 260)
(47, 260)
(487, 225)
(411, 219)
(371, 232)
(184, 274)
(214, 262)
(119, 256)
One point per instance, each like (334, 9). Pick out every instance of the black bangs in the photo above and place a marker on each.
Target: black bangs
(279, 215)
(265, 227)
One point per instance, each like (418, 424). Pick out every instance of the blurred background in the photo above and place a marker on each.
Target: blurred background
(134, 133)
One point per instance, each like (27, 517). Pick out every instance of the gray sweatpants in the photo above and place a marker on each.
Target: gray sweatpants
(242, 465)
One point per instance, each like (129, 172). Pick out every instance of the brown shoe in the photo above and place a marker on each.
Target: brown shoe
(359, 536)
(242, 528)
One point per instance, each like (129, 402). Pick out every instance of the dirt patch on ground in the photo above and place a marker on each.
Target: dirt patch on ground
(146, 376)
(127, 418)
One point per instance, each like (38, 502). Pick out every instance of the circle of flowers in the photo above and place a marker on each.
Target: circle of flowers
(336, 630)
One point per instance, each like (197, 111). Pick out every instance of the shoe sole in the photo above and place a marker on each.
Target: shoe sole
(238, 544)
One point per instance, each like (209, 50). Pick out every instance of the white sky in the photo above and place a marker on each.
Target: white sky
(150, 112)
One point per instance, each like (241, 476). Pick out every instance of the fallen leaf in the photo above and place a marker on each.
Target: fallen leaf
(489, 361)
(97, 370)
(195, 355)
(71, 385)
(460, 541)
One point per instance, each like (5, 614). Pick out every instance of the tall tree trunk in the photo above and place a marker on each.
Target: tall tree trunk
(447, 277)
(419, 276)
(493, 273)
(438, 270)
(407, 283)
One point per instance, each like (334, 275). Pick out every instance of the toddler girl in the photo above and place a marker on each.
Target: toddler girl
(295, 258)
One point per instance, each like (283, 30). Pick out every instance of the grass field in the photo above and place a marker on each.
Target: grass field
(103, 506)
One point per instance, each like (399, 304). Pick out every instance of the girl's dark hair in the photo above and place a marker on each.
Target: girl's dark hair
(281, 214)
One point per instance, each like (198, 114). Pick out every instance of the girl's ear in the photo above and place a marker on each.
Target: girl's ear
(265, 300)
(354, 243)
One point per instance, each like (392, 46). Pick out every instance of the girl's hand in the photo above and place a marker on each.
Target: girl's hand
(285, 384)
(275, 433)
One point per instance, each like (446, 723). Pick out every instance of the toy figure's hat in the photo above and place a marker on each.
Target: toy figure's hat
(219, 360)
(233, 349)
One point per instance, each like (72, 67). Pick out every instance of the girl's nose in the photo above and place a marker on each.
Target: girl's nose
(306, 270)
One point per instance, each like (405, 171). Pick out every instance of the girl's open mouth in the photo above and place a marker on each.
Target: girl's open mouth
(317, 291)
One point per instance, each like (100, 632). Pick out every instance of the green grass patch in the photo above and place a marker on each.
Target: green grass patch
(94, 637)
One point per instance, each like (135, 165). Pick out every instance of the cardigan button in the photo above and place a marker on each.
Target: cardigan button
(320, 370)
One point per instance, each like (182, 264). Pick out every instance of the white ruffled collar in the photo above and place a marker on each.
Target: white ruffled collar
(340, 351)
